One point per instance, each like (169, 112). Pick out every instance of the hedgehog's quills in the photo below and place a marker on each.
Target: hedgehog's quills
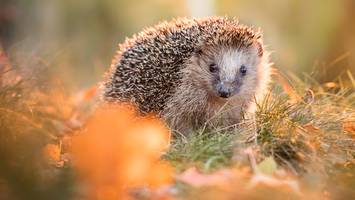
(190, 70)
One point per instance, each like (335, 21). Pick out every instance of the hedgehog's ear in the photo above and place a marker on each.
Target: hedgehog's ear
(259, 43)
(260, 48)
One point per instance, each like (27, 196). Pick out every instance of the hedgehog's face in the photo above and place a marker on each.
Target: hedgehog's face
(229, 71)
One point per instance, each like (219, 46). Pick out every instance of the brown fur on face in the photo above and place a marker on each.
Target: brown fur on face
(199, 87)
(227, 62)
(166, 70)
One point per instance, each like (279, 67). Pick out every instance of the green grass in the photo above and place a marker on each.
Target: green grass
(207, 149)
(301, 124)
(296, 132)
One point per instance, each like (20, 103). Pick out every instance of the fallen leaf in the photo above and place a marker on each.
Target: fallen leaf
(287, 87)
(118, 149)
(52, 152)
(90, 93)
(193, 177)
(331, 85)
(311, 128)
(260, 179)
(349, 126)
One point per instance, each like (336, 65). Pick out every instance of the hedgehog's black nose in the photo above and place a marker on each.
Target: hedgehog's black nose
(224, 91)
(224, 94)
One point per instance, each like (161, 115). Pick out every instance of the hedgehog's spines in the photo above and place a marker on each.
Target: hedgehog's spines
(147, 68)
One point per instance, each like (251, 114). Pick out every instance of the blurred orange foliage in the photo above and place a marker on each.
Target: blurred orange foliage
(349, 127)
(118, 149)
(52, 152)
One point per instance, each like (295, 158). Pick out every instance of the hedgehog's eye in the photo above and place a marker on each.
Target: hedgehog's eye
(213, 68)
(243, 70)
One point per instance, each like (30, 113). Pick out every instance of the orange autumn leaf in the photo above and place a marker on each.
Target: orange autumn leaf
(118, 150)
(349, 126)
(286, 86)
(90, 93)
(311, 128)
(331, 85)
(270, 181)
(52, 152)
(55, 103)
(195, 178)
(160, 175)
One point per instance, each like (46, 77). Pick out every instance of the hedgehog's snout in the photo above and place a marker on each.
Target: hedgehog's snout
(225, 89)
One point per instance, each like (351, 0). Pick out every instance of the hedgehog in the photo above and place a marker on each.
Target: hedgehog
(191, 72)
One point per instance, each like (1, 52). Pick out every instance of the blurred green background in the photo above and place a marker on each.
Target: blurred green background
(77, 38)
